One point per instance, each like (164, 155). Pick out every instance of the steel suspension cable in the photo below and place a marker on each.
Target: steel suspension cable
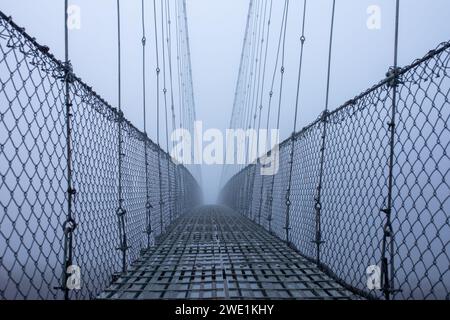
(172, 101)
(238, 82)
(163, 38)
(281, 47)
(121, 212)
(250, 105)
(148, 205)
(190, 79)
(255, 104)
(158, 71)
(291, 162)
(247, 106)
(387, 265)
(261, 107)
(180, 89)
(318, 206)
(69, 225)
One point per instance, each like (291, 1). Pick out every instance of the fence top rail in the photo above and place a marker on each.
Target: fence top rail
(389, 78)
(44, 51)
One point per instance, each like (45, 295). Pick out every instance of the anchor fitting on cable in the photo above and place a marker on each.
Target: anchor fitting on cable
(324, 116)
(68, 72)
(120, 212)
(71, 191)
(393, 76)
(69, 226)
(148, 230)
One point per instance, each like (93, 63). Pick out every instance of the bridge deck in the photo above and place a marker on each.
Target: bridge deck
(215, 253)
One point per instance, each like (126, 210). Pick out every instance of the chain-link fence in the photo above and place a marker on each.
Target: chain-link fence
(34, 184)
(340, 216)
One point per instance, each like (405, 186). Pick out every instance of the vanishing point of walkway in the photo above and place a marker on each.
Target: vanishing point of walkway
(215, 253)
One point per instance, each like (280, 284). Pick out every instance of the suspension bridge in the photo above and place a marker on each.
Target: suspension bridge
(92, 208)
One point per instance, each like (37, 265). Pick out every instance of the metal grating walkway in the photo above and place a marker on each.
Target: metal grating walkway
(215, 253)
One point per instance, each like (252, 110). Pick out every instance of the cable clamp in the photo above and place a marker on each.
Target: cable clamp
(393, 76)
(69, 226)
(71, 191)
(120, 212)
(318, 205)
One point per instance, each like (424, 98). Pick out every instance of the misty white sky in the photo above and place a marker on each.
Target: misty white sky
(361, 56)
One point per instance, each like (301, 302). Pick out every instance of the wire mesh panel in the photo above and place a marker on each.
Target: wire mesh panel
(339, 216)
(354, 186)
(422, 171)
(304, 189)
(34, 187)
(32, 168)
(278, 208)
(95, 177)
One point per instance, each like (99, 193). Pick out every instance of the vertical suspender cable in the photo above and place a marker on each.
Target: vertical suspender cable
(261, 106)
(224, 174)
(172, 101)
(121, 212)
(318, 205)
(163, 39)
(69, 225)
(249, 106)
(387, 267)
(282, 47)
(158, 70)
(255, 108)
(291, 161)
(148, 204)
(192, 112)
(246, 107)
(180, 96)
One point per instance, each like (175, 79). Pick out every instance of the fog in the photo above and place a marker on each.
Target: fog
(361, 56)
